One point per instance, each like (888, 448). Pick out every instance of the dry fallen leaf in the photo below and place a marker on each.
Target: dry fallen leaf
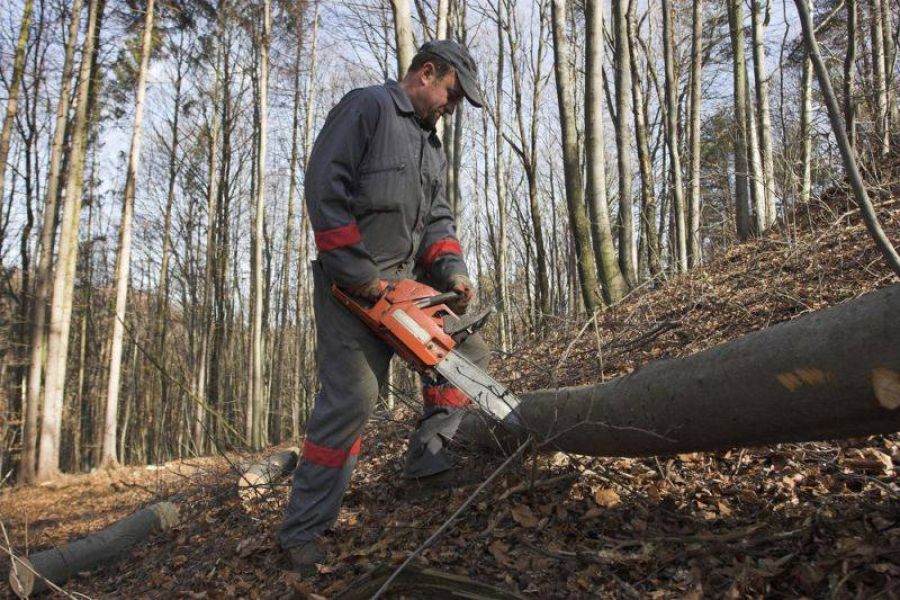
(523, 515)
(606, 497)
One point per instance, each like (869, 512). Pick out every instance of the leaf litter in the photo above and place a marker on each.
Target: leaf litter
(797, 520)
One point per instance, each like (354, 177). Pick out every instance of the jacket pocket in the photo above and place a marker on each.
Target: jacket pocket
(384, 185)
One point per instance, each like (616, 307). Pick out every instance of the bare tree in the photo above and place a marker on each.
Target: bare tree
(403, 33)
(741, 198)
(695, 250)
(12, 102)
(611, 279)
(64, 277)
(586, 265)
(622, 66)
(672, 141)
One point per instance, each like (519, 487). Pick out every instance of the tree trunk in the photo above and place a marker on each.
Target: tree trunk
(578, 222)
(108, 453)
(42, 275)
(695, 249)
(64, 277)
(257, 401)
(757, 190)
(402, 36)
(27, 575)
(787, 383)
(849, 73)
(762, 105)
(649, 246)
(611, 279)
(622, 66)
(12, 101)
(742, 201)
(257, 479)
(880, 75)
(680, 249)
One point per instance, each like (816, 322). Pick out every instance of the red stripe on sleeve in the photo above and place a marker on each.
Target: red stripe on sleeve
(333, 458)
(444, 396)
(445, 246)
(339, 237)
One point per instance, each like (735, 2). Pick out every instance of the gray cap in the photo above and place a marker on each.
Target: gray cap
(461, 60)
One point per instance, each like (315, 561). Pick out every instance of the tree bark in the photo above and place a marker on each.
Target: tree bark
(831, 374)
(12, 102)
(611, 279)
(880, 75)
(402, 36)
(672, 139)
(764, 127)
(741, 198)
(42, 275)
(694, 214)
(64, 277)
(108, 455)
(578, 222)
(622, 66)
(849, 74)
(30, 575)
(257, 401)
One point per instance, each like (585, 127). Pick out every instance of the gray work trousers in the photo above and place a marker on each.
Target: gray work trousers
(352, 363)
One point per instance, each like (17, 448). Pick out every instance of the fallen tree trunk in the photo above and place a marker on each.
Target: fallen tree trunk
(831, 374)
(258, 478)
(30, 575)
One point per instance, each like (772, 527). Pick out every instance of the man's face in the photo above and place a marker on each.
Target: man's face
(439, 96)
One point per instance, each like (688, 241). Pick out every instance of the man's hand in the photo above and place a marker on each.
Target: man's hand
(462, 285)
(370, 290)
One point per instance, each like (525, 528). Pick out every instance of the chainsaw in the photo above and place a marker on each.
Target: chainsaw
(416, 322)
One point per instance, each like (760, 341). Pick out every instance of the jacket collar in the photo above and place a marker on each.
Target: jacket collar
(401, 100)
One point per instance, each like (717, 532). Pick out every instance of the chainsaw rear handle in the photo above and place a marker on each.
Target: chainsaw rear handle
(439, 299)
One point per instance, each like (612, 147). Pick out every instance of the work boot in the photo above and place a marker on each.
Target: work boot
(418, 488)
(305, 557)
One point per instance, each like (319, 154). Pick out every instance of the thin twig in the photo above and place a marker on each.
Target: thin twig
(434, 537)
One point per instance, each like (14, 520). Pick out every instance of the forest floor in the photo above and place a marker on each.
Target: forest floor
(793, 520)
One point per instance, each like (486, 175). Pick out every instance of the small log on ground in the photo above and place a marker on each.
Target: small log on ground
(257, 479)
(828, 375)
(422, 582)
(30, 575)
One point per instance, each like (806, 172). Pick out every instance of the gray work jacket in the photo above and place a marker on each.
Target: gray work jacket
(375, 191)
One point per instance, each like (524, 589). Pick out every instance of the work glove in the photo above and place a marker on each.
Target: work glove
(462, 285)
(370, 290)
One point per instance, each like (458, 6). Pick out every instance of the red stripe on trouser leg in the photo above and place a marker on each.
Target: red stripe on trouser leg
(447, 246)
(444, 396)
(329, 457)
(339, 237)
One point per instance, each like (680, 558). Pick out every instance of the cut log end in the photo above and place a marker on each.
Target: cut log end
(256, 481)
(21, 577)
(886, 384)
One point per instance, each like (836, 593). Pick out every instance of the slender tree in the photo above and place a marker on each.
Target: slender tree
(695, 252)
(64, 277)
(621, 64)
(610, 275)
(403, 36)
(12, 101)
(108, 455)
(45, 259)
(672, 139)
(578, 221)
(741, 196)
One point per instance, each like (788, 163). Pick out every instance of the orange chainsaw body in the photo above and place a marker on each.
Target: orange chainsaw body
(407, 319)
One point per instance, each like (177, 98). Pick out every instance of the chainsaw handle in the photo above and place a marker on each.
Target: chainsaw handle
(439, 299)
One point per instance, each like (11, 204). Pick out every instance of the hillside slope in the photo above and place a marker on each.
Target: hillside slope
(815, 520)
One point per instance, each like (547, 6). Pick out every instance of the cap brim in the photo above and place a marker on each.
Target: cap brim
(470, 88)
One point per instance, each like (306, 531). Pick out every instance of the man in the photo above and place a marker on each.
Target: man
(375, 191)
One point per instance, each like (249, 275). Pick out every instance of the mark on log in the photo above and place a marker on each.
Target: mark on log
(886, 384)
(794, 380)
